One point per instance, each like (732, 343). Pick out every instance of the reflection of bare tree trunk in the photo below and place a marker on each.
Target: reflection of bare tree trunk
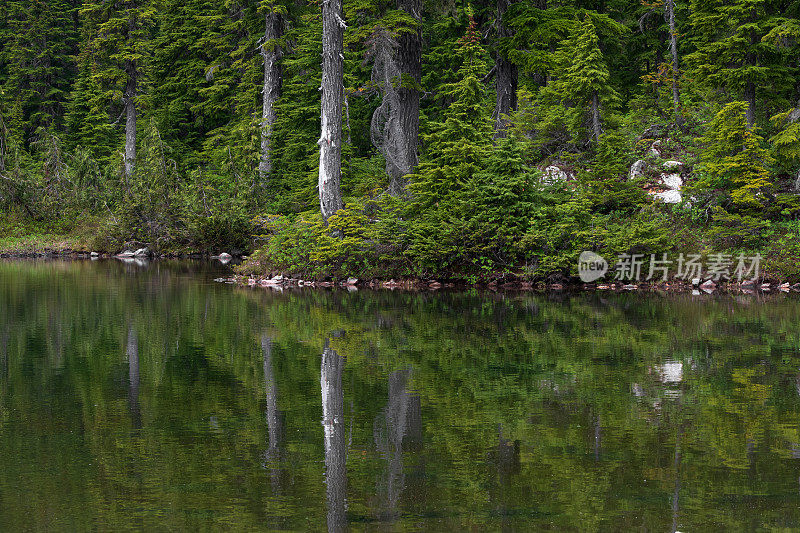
(4, 353)
(335, 450)
(597, 438)
(676, 493)
(390, 430)
(506, 460)
(132, 351)
(274, 422)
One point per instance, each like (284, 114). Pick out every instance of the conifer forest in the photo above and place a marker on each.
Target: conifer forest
(407, 138)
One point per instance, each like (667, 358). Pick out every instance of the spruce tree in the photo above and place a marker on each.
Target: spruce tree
(455, 152)
(734, 161)
(583, 87)
(39, 44)
(117, 35)
(731, 53)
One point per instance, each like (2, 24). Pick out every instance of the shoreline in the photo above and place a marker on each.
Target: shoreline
(491, 282)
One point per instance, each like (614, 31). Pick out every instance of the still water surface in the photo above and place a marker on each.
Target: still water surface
(153, 398)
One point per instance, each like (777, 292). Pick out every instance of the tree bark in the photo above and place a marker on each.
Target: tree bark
(330, 140)
(669, 6)
(130, 118)
(271, 91)
(596, 125)
(335, 448)
(507, 75)
(409, 60)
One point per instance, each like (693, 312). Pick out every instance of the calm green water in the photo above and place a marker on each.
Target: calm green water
(152, 398)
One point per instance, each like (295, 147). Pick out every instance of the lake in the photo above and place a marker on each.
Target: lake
(149, 397)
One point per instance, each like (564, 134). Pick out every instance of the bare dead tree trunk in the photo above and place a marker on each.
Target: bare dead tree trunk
(335, 447)
(271, 91)
(507, 75)
(669, 6)
(330, 140)
(409, 61)
(130, 118)
(597, 127)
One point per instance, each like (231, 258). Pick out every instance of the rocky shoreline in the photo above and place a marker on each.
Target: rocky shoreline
(697, 286)
(492, 282)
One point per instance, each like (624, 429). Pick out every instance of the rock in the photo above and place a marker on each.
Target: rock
(672, 164)
(142, 252)
(695, 282)
(630, 287)
(126, 253)
(553, 174)
(709, 284)
(637, 169)
(351, 282)
(765, 287)
(668, 197)
(653, 131)
(673, 183)
(784, 287)
(670, 372)
(94, 254)
(224, 256)
(655, 149)
(435, 285)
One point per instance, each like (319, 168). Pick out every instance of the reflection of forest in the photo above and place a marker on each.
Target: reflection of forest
(163, 401)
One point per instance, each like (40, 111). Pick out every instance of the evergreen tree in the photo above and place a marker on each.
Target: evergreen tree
(731, 53)
(583, 86)
(455, 152)
(39, 43)
(734, 161)
(117, 35)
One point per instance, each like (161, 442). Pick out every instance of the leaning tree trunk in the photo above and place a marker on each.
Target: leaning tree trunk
(409, 60)
(330, 140)
(271, 90)
(597, 128)
(507, 75)
(335, 446)
(130, 118)
(669, 6)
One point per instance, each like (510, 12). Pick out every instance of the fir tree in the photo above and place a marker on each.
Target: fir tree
(731, 53)
(583, 85)
(734, 160)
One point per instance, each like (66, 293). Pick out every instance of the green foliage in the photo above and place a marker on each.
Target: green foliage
(734, 165)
